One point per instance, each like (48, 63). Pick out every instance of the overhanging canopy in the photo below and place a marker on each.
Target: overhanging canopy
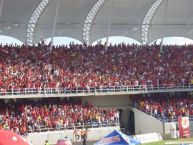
(143, 20)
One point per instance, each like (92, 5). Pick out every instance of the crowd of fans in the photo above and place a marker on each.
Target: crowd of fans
(34, 116)
(164, 107)
(80, 66)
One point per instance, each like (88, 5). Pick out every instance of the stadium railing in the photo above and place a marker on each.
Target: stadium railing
(77, 125)
(111, 90)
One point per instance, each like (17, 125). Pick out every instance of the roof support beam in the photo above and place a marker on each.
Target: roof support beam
(34, 19)
(87, 27)
(147, 20)
(1, 7)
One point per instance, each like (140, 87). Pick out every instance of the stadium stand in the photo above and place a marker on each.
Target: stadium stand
(51, 114)
(78, 66)
(165, 107)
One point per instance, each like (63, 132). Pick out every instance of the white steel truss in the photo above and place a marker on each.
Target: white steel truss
(90, 20)
(147, 20)
(34, 19)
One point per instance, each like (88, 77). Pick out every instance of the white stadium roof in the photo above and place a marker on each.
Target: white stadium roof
(89, 20)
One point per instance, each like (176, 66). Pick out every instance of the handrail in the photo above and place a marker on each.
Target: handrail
(110, 90)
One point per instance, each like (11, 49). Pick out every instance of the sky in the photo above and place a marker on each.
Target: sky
(114, 40)
(9, 40)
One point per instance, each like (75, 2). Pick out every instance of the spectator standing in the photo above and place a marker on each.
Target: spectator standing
(76, 134)
(84, 138)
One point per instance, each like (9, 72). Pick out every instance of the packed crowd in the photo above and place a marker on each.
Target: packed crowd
(29, 116)
(165, 107)
(80, 66)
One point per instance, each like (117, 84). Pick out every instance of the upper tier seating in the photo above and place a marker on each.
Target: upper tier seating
(78, 66)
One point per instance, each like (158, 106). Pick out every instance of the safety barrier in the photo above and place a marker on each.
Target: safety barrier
(77, 125)
(111, 90)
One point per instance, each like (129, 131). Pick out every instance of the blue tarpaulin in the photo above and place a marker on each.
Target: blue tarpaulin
(117, 138)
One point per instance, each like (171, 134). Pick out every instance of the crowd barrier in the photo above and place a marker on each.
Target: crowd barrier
(78, 126)
(46, 92)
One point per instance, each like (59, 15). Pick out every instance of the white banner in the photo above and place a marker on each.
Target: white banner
(150, 137)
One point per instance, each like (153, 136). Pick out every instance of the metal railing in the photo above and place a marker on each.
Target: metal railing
(81, 126)
(111, 90)
(78, 126)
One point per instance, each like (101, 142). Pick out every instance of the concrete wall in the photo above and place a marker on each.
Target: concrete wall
(53, 136)
(119, 101)
(146, 124)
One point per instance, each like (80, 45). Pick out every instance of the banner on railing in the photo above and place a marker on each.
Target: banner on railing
(184, 126)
